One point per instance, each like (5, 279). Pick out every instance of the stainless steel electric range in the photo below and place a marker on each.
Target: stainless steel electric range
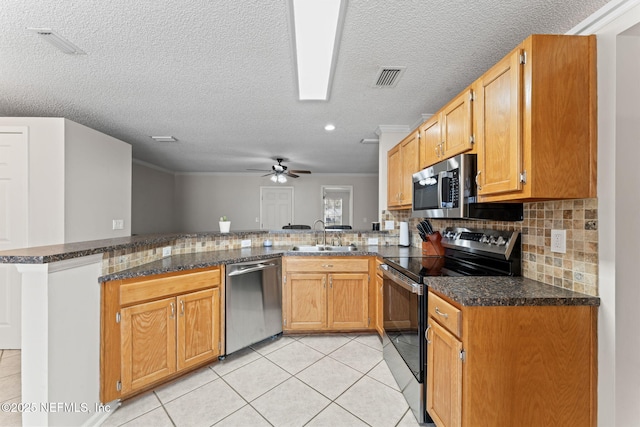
(468, 252)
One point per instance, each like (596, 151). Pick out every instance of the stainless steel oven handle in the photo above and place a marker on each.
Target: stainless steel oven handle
(414, 288)
(440, 176)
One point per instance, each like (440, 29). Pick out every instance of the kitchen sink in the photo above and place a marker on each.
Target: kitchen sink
(324, 248)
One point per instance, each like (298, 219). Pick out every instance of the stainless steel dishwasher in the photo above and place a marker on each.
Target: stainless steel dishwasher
(253, 302)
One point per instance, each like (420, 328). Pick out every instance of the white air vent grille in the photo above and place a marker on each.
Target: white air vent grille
(388, 76)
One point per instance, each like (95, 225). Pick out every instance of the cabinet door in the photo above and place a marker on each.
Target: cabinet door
(499, 127)
(348, 301)
(148, 337)
(394, 173)
(444, 376)
(457, 130)
(198, 327)
(430, 142)
(306, 301)
(410, 154)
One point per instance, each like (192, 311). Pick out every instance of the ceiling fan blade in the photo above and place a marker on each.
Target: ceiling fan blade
(297, 171)
(270, 173)
(259, 170)
(292, 175)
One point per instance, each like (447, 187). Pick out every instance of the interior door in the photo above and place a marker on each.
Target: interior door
(276, 207)
(13, 226)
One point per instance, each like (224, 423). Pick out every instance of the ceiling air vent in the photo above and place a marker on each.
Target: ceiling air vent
(388, 76)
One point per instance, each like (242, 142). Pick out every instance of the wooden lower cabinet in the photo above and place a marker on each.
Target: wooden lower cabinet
(148, 334)
(333, 294)
(511, 365)
(157, 327)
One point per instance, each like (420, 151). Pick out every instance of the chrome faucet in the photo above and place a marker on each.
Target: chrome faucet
(324, 231)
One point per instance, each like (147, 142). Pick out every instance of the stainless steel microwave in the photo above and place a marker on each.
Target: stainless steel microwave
(448, 190)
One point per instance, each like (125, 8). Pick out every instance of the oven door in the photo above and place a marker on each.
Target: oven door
(404, 321)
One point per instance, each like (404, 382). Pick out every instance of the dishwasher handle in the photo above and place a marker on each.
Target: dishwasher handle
(246, 269)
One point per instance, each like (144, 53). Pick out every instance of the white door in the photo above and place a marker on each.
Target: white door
(13, 226)
(276, 207)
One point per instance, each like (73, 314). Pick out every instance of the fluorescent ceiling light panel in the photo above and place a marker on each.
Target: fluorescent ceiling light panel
(167, 138)
(58, 41)
(317, 25)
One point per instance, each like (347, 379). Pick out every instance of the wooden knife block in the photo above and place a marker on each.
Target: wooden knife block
(433, 247)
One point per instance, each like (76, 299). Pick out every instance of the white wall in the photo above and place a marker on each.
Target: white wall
(46, 178)
(627, 224)
(201, 199)
(618, 204)
(97, 183)
(152, 199)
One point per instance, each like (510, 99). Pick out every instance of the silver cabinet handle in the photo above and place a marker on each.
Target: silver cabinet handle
(477, 183)
(426, 334)
(181, 307)
(327, 265)
(439, 313)
(173, 310)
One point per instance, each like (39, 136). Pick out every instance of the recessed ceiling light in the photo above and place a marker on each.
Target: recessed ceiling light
(58, 41)
(317, 26)
(164, 138)
(329, 127)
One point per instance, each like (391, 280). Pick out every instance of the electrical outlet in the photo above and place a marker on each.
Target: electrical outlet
(559, 241)
(372, 241)
(245, 243)
(166, 251)
(389, 225)
(118, 224)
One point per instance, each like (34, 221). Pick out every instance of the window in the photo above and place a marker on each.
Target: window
(337, 205)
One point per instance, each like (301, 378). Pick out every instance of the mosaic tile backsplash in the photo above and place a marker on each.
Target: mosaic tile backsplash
(577, 269)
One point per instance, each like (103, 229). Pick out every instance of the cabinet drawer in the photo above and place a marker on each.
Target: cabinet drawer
(446, 314)
(152, 287)
(326, 264)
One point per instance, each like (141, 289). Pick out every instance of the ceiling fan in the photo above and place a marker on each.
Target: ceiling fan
(280, 172)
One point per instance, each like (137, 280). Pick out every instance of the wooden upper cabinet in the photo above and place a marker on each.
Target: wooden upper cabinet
(500, 151)
(448, 132)
(456, 123)
(536, 119)
(403, 161)
(430, 142)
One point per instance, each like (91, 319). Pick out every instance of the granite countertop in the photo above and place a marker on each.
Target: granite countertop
(213, 258)
(505, 291)
(61, 252)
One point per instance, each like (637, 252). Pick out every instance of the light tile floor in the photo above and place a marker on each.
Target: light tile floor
(321, 380)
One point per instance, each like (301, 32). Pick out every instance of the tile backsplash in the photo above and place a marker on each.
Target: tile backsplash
(577, 269)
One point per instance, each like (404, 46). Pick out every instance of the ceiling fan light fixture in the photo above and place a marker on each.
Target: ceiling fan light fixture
(58, 41)
(316, 31)
(282, 179)
(274, 178)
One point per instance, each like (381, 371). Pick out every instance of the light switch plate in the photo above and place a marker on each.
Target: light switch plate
(389, 225)
(166, 251)
(245, 243)
(118, 224)
(372, 241)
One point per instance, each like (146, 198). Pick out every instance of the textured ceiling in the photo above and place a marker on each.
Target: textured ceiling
(219, 75)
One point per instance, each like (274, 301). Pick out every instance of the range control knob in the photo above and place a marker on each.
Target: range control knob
(485, 239)
(493, 240)
(501, 241)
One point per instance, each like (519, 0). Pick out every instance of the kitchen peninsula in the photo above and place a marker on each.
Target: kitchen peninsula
(61, 299)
